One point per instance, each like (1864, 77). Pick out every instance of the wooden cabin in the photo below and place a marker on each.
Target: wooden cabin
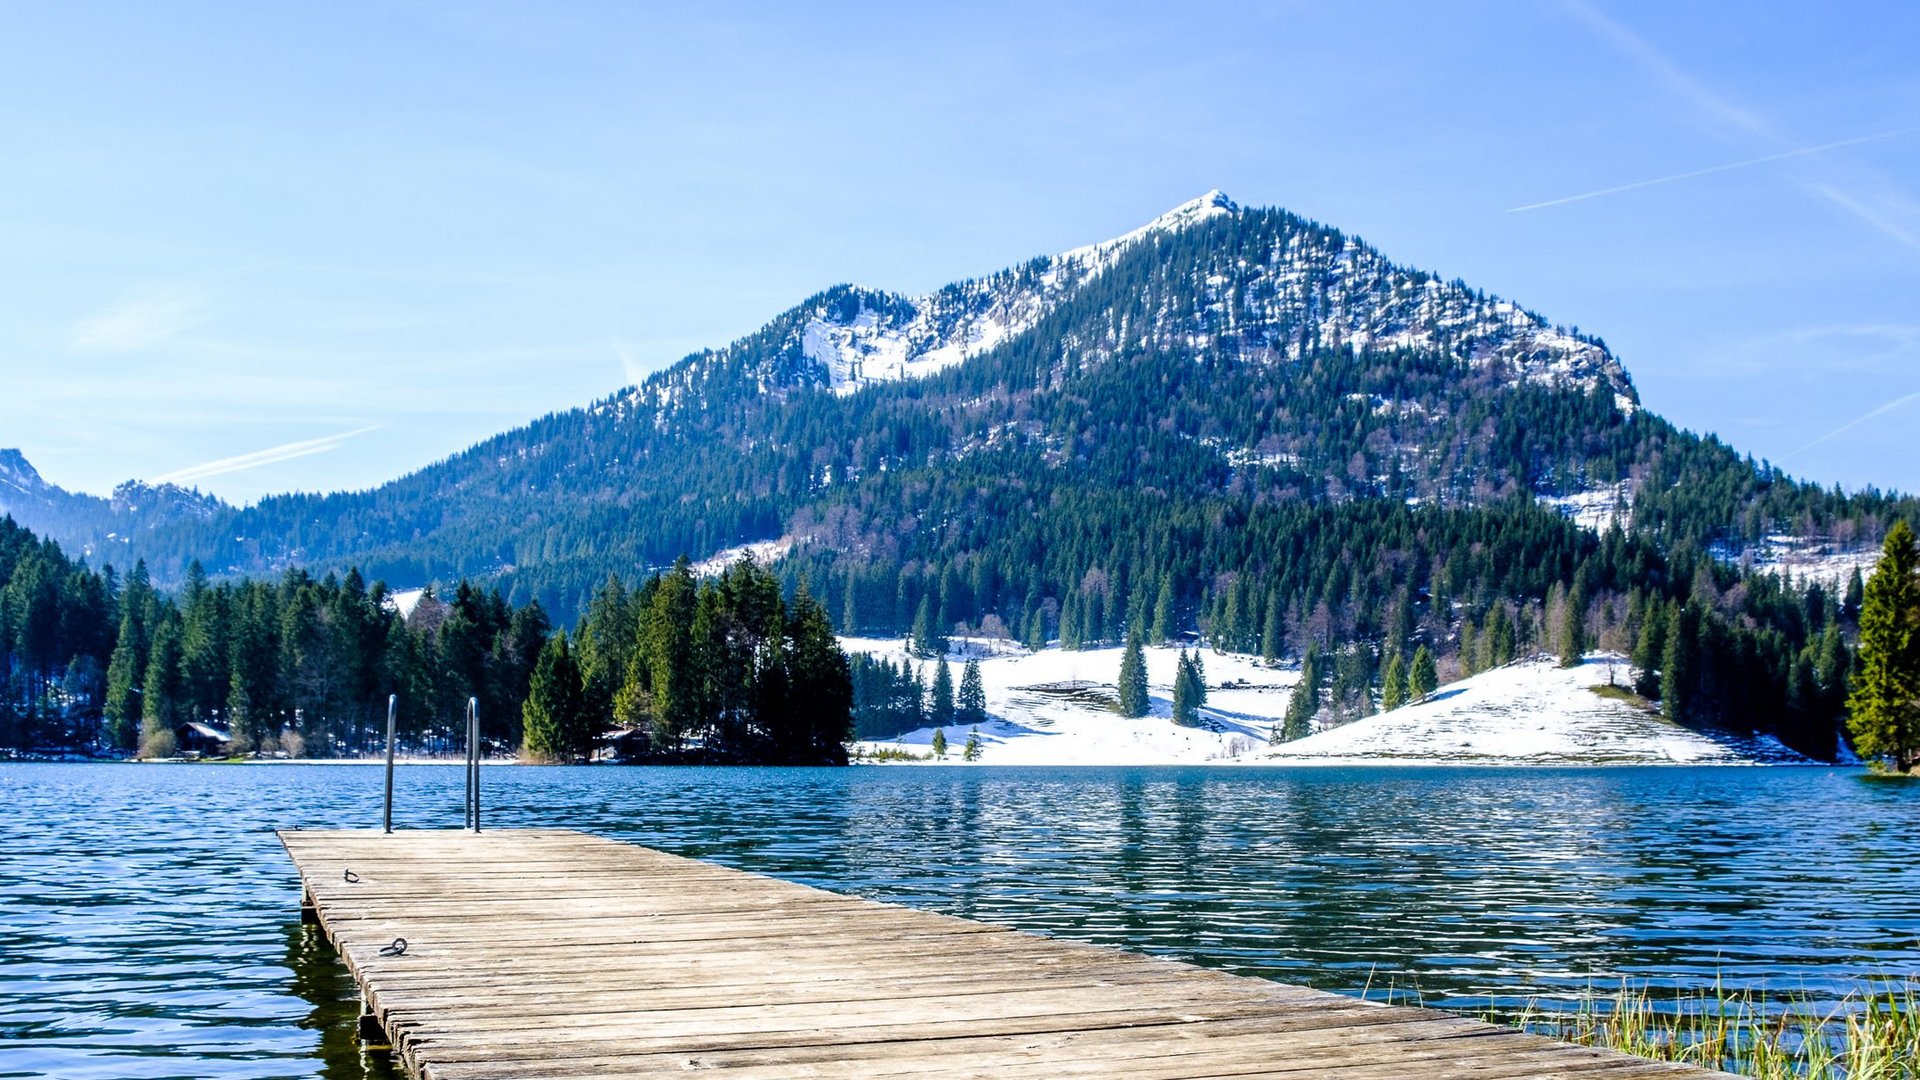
(195, 737)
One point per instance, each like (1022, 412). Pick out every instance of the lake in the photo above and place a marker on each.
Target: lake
(149, 924)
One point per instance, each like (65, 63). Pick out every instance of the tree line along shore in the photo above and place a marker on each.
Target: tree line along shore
(745, 666)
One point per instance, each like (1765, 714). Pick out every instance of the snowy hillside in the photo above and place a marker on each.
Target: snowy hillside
(1530, 713)
(1053, 708)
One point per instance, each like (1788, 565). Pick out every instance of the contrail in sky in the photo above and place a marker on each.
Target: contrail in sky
(1728, 167)
(1856, 422)
(1882, 206)
(272, 455)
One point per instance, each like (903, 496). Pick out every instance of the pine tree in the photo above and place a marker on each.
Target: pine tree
(1233, 635)
(972, 705)
(939, 743)
(819, 683)
(1133, 700)
(1677, 664)
(1884, 707)
(940, 702)
(160, 691)
(554, 717)
(1163, 615)
(1573, 628)
(1393, 685)
(1423, 677)
(921, 641)
(1273, 630)
(1036, 630)
(1650, 650)
(1186, 704)
(1304, 704)
(971, 752)
(124, 673)
(850, 604)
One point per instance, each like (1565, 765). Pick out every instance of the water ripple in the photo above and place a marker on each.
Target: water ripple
(150, 927)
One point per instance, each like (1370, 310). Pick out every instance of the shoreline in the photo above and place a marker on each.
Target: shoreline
(1278, 763)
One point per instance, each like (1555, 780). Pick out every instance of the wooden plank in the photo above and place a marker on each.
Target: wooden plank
(546, 953)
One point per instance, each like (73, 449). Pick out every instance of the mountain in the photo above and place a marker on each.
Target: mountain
(1232, 424)
(104, 529)
(1215, 352)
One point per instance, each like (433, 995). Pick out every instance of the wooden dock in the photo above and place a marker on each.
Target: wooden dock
(546, 954)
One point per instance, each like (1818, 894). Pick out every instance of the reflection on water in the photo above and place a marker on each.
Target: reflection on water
(150, 925)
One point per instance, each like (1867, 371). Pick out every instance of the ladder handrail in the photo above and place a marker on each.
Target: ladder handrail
(471, 810)
(473, 764)
(386, 819)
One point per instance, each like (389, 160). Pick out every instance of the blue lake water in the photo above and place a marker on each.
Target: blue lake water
(149, 926)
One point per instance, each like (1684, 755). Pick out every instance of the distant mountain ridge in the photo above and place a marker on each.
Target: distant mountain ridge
(1219, 353)
(93, 526)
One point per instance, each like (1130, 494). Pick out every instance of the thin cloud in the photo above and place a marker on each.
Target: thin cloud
(1804, 151)
(1884, 214)
(139, 323)
(1871, 414)
(630, 367)
(272, 455)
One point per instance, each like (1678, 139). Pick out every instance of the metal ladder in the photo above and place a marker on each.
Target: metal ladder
(471, 819)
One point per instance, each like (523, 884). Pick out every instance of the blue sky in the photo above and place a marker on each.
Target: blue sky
(273, 247)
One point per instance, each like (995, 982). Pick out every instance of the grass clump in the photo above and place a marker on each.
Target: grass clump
(1870, 1036)
(1621, 693)
(887, 753)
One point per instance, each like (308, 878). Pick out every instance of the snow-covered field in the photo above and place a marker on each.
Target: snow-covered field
(1534, 712)
(1808, 560)
(1052, 708)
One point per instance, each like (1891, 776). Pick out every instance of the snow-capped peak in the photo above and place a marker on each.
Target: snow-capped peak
(1188, 214)
(943, 328)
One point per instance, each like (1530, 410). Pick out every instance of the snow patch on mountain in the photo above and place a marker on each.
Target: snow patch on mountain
(913, 337)
(1808, 560)
(1597, 509)
(1097, 257)
(760, 551)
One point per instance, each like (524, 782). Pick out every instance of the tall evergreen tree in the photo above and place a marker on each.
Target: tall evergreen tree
(1393, 685)
(1884, 707)
(1573, 628)
(940, 700)
(1133, 700)
(557, 725)
(1187, 692)
(1304, 703)
(1164, 626)
(1677, 663)
(161, 691)
(1423, 675)
(972, 705)
(1273, 629)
